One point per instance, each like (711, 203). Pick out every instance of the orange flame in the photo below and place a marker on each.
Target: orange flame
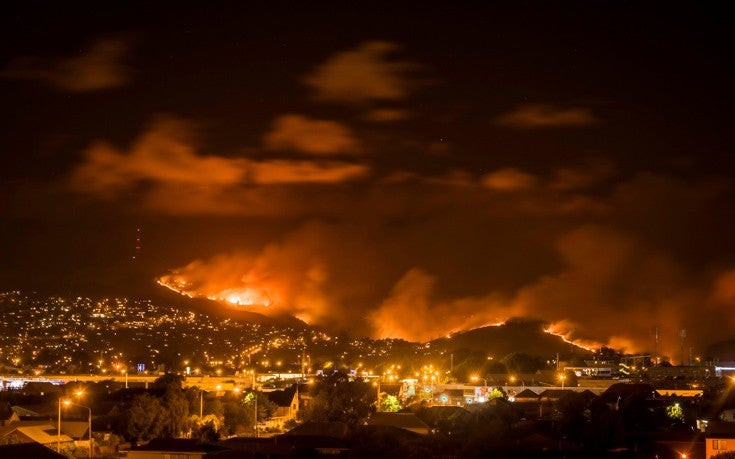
(561, 330)
(234, 296)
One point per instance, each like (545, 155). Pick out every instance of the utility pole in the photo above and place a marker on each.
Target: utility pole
(655, 333)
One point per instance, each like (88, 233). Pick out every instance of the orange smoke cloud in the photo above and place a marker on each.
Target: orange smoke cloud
(362, 74)
(546, 116)
(509, 179)
(283, 278)
(173, 177)
(410, 312)
(595, 284)
(609, 291)
(382, 115)
(306, 135)
(163, 155)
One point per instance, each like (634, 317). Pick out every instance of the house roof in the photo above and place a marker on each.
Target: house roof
(39, 431)
(279, 445)
(75, 429)
(588, 395)
(554, 393)
(24, 411)
(322, 429)
(624, 390)
(526, 393)
(401, 420)
(178, 445)
(29, 451)
(282, 398)
(388, 433)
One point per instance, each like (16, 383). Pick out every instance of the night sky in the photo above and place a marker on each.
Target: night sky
(389, 171)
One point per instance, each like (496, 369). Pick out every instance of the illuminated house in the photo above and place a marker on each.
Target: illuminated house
(41, 432)
(287, 403)
(719, 438)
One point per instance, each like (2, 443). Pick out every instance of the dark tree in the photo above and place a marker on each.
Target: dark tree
(336, 398)
(144, 419)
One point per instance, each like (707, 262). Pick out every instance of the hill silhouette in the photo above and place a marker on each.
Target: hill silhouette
(517, 335)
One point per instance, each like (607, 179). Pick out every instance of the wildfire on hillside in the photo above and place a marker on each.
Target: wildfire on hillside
(565, 333)
(252, 297)
(308, 276)
(248, 297)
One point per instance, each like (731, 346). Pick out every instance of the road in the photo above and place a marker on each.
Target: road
(208, 383)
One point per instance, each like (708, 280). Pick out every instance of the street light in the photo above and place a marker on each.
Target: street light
(58, 427)
(513, 379)
(562, 377)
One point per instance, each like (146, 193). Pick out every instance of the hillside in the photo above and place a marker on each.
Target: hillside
(525, 336)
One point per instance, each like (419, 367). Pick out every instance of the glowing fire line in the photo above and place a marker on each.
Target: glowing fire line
(586, 345)
(251, 297)
(236, 297)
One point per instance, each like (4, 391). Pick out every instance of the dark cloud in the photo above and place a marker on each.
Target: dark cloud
(533, 116)
(362, 74)
(583, 176)
(100, 66)
(383, 115)
(508, 180)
